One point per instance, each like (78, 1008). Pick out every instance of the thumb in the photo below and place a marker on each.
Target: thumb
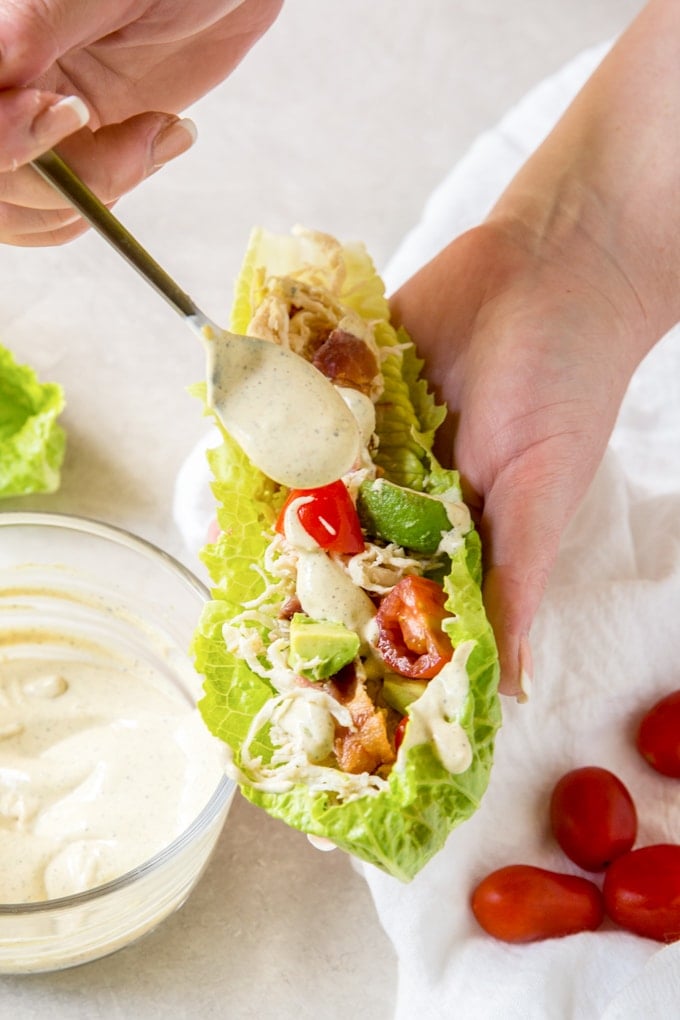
(524, 516)
(36, 33)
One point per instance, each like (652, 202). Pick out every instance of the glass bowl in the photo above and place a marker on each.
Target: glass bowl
(112, 792)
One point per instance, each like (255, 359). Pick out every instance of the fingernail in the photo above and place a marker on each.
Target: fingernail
(173, 140)
(526, 670)
(214, 532)
(321, 843)
(60, 119)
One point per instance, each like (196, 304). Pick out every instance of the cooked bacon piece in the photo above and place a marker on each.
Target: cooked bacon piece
(290, 607)
(347, 361)
(367, 747)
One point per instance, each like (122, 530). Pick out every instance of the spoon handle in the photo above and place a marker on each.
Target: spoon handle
(60, 175)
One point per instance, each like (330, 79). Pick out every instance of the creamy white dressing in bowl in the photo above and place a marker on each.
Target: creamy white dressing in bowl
(112, 791)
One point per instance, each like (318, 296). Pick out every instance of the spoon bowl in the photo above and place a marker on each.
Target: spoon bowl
(287, 417)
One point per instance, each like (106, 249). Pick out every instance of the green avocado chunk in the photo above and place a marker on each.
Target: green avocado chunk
(408, 518)
(318, 648)
(399, 693)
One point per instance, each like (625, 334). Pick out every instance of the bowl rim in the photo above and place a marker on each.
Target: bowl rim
(112, 532)
(226, 786)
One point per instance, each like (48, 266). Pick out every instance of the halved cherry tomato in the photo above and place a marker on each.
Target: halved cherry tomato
(522, 903)
(642, 892)
(329, 516)
(410, 635)
(658, 738)
(593, 817)
(400, 732)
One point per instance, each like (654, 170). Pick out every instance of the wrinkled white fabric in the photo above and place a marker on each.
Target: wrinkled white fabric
(606, 646)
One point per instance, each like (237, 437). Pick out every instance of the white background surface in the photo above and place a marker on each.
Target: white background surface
(343, 118)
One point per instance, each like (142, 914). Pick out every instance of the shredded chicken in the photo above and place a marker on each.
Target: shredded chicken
(295, 315)
(378, 568)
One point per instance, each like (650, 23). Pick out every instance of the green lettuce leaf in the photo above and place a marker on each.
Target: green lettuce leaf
(400, 827)
(32, 443)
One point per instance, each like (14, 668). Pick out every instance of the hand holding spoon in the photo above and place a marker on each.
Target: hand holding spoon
(287, 417)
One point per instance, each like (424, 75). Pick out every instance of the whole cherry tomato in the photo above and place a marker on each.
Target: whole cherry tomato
(642, 892)
(329, 516)
(521, 903)
(410, 635)
(658, 738)
(593, 817)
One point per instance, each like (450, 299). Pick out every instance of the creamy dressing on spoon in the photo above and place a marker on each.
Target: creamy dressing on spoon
(284, 413)
(287, 417)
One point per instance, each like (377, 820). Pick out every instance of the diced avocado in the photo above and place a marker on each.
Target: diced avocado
(319, 649)
(399, 693)
(408, 518)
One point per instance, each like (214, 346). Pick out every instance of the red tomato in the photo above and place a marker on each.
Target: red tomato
(400, 732)
(593, 817)
(329, 516)
(658, 739)
(521, 903)
(642, 892)
(410, 635)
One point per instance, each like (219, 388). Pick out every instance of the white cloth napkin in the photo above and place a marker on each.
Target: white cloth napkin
(606, 646)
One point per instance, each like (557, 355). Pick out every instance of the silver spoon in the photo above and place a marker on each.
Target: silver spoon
(287, 417)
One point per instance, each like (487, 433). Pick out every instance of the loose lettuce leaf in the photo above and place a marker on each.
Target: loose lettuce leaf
(399, 828)
(32, 443)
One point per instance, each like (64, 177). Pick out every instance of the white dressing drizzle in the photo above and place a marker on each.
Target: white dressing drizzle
(327, 592)
(289, 763)
(461, 522)
(434, 716)
(307, 725)
(293, 529)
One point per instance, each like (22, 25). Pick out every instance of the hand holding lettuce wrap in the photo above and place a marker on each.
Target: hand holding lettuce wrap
(532, 324)
(348, 661)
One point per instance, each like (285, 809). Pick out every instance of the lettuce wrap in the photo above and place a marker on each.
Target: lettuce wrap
(32, 443)
(385, 744)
